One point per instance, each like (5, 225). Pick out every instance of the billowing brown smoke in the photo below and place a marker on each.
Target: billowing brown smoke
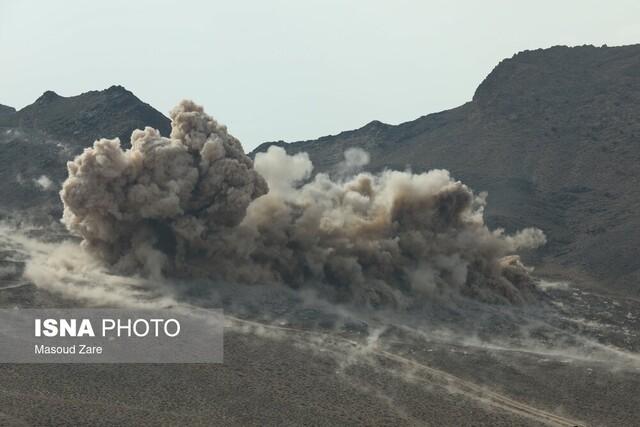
(149, 205)
(195, 205)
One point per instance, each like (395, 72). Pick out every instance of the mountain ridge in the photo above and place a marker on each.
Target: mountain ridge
(111, 113)
(552, 135)
(39, 139)
(6, 110)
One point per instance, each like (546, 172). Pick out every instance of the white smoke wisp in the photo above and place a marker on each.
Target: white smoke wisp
(44, 183)
(196, 205)
(355, 159)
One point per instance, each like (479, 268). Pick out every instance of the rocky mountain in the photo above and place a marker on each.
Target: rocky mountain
(6, 110)
(109, 113)
(37, 141)
(553, 135)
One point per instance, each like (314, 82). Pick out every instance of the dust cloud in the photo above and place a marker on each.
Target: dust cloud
(194, 205)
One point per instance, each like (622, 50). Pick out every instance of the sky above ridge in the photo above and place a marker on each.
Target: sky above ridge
(288, 70)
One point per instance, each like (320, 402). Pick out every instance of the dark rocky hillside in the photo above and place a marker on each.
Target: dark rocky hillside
(38, 140)
(554, 136)
(81, 119)
(6, 110)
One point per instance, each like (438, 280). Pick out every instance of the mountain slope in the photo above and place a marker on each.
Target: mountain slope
(38, 140)
(5, 110)
(554, 136)
(81, 119)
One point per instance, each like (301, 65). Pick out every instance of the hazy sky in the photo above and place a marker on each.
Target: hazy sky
(288, 70)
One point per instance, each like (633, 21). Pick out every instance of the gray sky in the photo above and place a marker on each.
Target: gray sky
(288, 70)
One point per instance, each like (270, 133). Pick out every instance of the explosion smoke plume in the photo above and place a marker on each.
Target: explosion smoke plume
(195, 205)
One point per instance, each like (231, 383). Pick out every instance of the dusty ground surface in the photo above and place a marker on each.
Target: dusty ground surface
(570, 361)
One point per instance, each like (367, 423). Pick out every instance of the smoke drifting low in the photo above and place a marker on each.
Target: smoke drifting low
(194, 205)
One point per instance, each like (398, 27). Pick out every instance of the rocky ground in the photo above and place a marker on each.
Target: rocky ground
(291, 359)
